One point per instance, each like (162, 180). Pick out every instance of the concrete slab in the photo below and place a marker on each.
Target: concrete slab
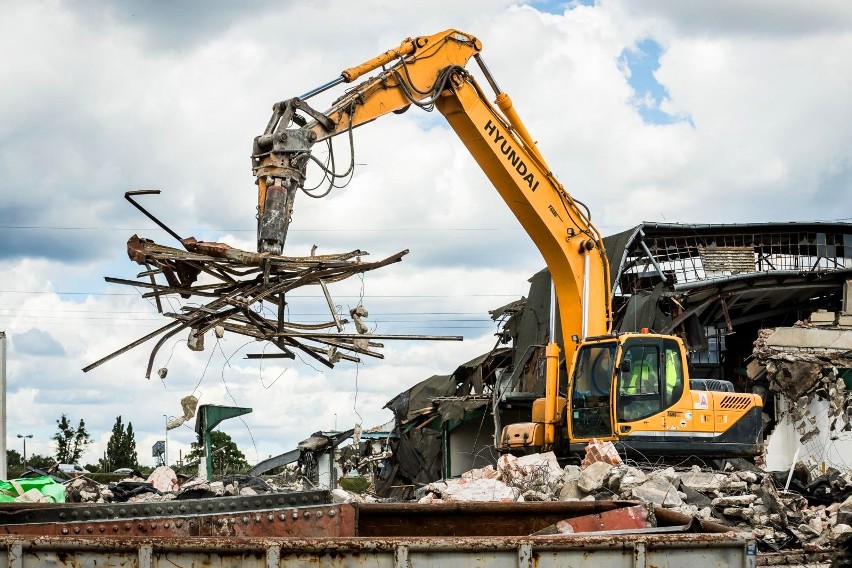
(594, 476)
(755, 369)
(811, 338)
(658, 491)
(822, 317)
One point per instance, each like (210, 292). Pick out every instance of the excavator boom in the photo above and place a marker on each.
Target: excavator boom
(429, 71)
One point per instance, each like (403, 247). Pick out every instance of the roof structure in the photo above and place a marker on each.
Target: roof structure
(725, 274)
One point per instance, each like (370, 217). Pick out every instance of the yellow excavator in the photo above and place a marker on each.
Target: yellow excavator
(630, 388)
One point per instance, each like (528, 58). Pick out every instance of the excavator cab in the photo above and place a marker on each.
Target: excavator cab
(634, 389)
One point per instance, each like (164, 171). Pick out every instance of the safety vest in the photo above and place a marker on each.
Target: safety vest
(642, 370)
(672, 370)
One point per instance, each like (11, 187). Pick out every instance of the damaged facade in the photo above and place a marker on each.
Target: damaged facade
(808, 368)
(718, 287)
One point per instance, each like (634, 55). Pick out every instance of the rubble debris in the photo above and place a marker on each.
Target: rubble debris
(199, 488)
(189, 404)
(164, 485)
(357, 314)
(745, 498)
(85, 490)
(658, 491)
(702, 480)
(844, 512)
(597, 451)
(163, 479)
(126, 490)
(594, 476)
(470, 489)
(535, 475)
(813, 518)
(621, 479)
(822, 318)
(571, 491)
(340, 495)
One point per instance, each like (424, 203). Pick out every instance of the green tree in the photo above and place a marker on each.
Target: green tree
(14, 463)
(70, 442)
(121, 447)
(227, 457)
(39, 461)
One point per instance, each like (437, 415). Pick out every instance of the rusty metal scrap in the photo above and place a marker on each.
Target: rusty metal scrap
(239, 286)
(633, 519)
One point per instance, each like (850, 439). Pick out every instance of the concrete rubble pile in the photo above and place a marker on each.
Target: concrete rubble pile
(747, 499)
(163, 485)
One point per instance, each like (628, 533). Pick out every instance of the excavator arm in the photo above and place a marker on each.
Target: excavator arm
(666, 416)
(426, 72)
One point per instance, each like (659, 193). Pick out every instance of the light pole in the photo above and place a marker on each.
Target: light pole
(24, 438)
(166, 449)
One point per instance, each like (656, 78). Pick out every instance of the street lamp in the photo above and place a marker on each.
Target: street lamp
(24, 438)
(166, 449)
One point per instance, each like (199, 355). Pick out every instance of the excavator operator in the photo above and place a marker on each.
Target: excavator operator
(643, 377)
(639, 391)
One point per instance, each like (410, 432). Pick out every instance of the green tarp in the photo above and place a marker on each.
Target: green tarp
(11, 490)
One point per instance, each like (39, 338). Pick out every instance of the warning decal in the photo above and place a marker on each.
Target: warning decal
(701, 403)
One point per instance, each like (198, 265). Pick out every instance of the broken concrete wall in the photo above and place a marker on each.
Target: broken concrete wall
(821, 445)
(806, 368)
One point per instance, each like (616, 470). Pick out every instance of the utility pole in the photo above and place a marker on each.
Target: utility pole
(3, 470)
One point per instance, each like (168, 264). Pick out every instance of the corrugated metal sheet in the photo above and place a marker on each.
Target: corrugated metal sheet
(727, 260)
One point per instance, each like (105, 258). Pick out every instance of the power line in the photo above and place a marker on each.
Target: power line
(52, 310)
(409, 325)
(383, 230)
(291, 230)
(80, 318)
(290, 296)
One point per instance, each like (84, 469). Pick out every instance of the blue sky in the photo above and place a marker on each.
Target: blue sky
(559, 6)
(642, 60)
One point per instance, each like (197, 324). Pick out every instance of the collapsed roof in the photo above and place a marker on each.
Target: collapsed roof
(666, 275)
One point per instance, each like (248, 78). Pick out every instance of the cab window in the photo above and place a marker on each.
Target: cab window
(639, 389)
(591, 389)
(673, 373)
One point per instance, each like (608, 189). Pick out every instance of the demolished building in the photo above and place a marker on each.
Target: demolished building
(718, 287)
